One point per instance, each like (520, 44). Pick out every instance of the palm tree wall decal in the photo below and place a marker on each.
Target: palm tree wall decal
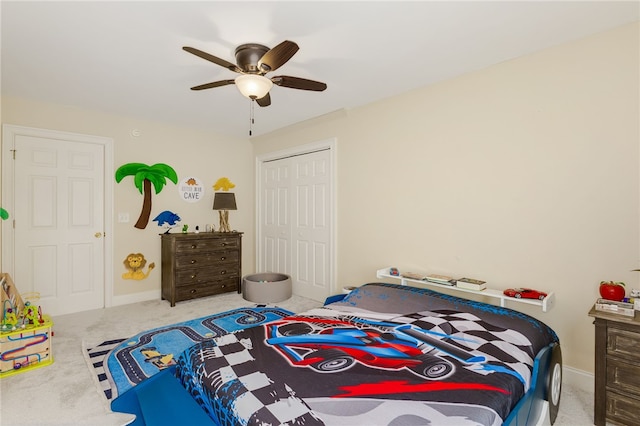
(143, 177)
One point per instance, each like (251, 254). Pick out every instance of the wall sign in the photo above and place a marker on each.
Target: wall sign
(191, 189)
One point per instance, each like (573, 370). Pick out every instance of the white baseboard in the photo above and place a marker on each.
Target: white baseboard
(135, 298)
(578, 378)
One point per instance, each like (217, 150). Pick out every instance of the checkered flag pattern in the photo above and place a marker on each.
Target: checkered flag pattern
(230, 370)
(465, 330)
(97, 356)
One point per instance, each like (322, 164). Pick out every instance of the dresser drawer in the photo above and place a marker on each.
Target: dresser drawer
(623, 344)
(622, 409)
(206, 289)
(214, 274)
(623, 376)
(210, 244)
(201, 260)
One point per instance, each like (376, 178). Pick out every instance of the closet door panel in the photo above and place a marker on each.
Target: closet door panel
(295, 226)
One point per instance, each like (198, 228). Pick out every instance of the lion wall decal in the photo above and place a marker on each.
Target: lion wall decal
(135, 263)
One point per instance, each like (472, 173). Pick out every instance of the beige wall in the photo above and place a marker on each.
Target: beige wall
(522, 174)
(525, 173)
(190, 152)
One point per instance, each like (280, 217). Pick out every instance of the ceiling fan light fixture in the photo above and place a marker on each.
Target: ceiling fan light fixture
(253, 86)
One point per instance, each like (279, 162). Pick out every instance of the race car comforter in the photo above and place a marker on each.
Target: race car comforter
(385, 354)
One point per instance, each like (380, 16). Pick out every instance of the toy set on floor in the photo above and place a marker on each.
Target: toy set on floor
(25, 333)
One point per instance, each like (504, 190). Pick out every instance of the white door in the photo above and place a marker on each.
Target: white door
(295, 223)
(275, 243)
(58, 221)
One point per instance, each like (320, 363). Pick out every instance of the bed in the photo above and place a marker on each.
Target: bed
(383, 354)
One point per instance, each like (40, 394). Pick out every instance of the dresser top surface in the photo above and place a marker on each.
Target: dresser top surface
(201, 235)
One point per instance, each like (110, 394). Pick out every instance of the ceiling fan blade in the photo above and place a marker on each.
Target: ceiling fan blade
(278, 56)
(264, 101)
(211, 58)
(213, 84)
(299, 83)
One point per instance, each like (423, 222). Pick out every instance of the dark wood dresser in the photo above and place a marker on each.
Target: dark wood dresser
(617, 369)
(199, 265)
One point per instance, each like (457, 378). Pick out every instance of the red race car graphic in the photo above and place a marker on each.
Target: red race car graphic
(331, 345)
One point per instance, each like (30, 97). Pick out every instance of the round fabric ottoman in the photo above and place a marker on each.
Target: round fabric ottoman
(267, 287)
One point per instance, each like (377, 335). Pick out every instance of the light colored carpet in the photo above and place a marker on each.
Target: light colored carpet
(65, 393)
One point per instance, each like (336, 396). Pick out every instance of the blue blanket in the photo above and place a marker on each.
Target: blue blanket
(120, 364)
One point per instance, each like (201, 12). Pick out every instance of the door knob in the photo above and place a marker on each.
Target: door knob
(98, 234)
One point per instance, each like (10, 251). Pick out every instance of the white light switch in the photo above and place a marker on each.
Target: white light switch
(123, 217)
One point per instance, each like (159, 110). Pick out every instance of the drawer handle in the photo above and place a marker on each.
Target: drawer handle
(223, 258)
(223, 272)
(193, 246)
(193, 261)
(193, 291)
(223, 286)
(193, 277)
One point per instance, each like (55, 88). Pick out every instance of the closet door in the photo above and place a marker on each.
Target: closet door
(274, 243)
(295, 221)
(311, 225)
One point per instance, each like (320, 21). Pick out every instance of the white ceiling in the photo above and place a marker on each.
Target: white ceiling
(126, 57)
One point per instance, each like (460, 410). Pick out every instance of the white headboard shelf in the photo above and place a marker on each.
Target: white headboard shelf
(546, 303)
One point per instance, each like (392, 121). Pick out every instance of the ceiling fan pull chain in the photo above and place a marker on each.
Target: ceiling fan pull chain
(251, 115)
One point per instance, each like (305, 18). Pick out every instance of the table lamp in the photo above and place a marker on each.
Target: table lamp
(223, 202)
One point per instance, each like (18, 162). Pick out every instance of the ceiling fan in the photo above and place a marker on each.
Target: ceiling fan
(253, 62)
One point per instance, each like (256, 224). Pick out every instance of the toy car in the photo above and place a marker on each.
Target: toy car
(525, 293)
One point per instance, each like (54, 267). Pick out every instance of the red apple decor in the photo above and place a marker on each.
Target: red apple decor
(612, 290)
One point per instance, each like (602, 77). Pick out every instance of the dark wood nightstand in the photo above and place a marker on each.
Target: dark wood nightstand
(617, 369)
(199, 265)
